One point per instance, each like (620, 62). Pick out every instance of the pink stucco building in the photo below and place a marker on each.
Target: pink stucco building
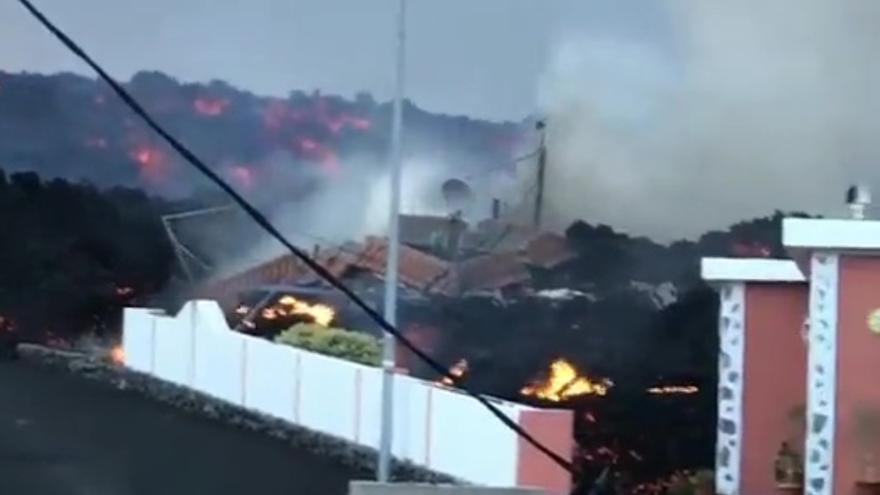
(801, 334)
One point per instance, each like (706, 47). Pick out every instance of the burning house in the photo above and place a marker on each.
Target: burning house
(498, 303)
(441, 261)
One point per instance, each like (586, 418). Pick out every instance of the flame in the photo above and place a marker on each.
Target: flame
(278, 114)
(674, 389)
(457, 371)
(242, 309)
(210, 107)
(117, 355)
(564, 382)
(321, 313)
(153, 163)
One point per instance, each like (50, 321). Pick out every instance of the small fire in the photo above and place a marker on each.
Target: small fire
(124, 291)
(210, 107)
(564, 382)
(242, 310)
(313, 150)
(152, 162)
(674, 389)
(117, 355)
(336, 124)
(321, 313)
(457, 371)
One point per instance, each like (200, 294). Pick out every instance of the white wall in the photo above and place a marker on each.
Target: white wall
(434, 427)
(270, 380)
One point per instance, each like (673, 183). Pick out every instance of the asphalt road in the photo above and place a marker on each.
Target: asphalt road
(64, 435)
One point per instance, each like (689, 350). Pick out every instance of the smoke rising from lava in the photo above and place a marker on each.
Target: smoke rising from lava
(753, 106)
(345, 207)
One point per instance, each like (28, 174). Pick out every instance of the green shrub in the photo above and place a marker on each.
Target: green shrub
(336, 342)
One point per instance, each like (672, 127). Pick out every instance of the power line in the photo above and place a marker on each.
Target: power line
(263, 222)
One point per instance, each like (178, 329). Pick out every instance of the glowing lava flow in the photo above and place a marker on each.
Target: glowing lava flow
(564, 382)
(674, 390)
(117, 355)
(313, 150)
(152, 163)
(210, 107)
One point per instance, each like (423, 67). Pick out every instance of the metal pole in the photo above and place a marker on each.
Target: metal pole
(542, 167)
(384, 468)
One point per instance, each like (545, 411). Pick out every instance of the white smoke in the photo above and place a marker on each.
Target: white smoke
(755, 106)
(347, 207)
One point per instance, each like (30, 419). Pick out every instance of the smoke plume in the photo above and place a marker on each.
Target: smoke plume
(751, 106)
(347, 207)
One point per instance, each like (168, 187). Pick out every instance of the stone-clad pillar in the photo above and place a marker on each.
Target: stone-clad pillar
(761, 367)
(843, 441)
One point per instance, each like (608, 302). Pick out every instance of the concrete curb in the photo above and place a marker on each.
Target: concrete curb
(338, 450)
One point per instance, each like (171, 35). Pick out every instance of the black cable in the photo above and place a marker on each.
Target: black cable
(263, 222)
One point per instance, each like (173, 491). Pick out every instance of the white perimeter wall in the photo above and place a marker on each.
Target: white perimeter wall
(434, 427)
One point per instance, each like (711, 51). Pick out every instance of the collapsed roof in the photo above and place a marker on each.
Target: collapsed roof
(495, 256)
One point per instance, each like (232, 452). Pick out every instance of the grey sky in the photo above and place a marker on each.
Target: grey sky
(476, 57)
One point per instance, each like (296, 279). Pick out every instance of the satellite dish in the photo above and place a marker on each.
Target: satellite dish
(457, 194)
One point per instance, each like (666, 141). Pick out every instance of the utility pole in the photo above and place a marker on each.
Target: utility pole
(542, 167)
(383, 470)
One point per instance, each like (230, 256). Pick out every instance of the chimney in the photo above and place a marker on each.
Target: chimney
(858, 198)
(496, 209)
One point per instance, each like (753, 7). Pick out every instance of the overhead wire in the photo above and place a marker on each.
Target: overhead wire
(266, 225)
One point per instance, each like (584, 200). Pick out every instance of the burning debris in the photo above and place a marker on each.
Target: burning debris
(674, 390)
(564, 382)
(457, 371)
(288, 308)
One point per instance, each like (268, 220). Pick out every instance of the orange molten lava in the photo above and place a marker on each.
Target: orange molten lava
(210, 107)
(564, 382)
(152, 162)
(674, 389)
(117, 355)
(320, 313)
(313, 150)
(457, 371)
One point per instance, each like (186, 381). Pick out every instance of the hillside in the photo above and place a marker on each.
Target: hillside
(70, 126)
